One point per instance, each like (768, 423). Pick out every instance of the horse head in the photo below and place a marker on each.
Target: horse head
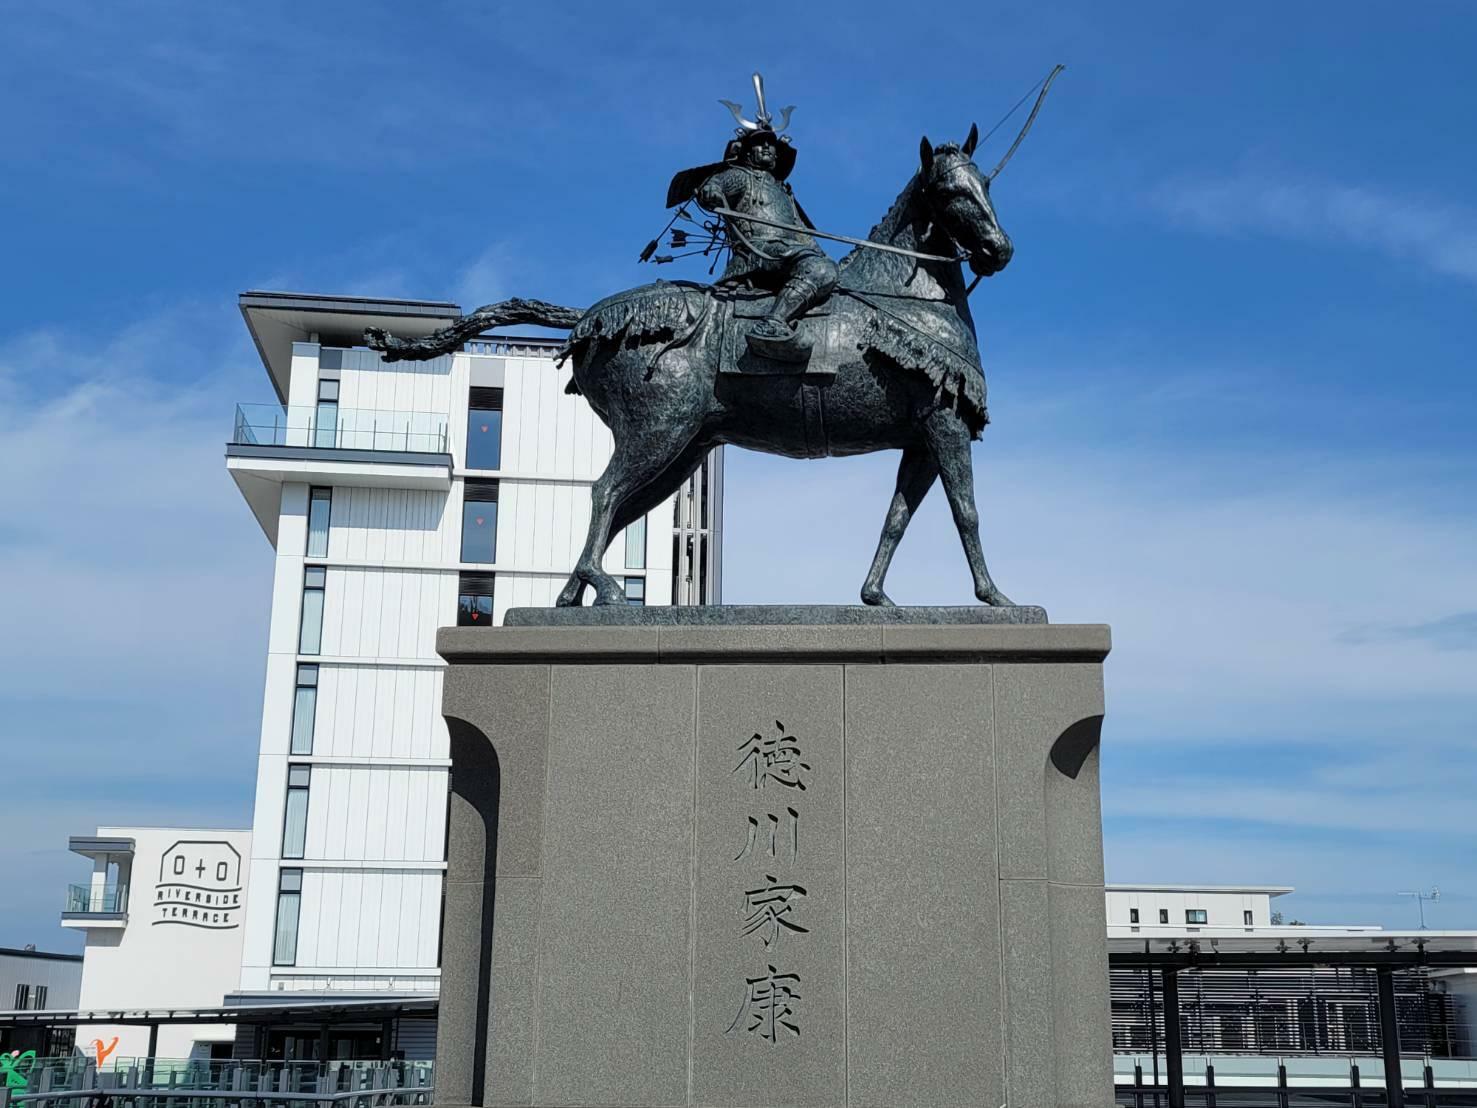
(956, 197)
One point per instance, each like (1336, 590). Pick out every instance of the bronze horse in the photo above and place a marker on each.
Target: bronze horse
(905, 374)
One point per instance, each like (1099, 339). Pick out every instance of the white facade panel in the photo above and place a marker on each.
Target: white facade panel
(379, 712)
(393, 525)
(385, 613)
(376, 813)
(357, 920)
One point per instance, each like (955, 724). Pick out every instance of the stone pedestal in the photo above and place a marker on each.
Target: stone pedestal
(855, 864)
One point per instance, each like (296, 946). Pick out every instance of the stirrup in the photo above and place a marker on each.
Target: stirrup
(794, 347)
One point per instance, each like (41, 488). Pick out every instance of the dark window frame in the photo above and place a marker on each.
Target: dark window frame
(315, 579)
(484, 402)
(289, 884)
(297, 789)
(479, 491)
(314, 498)
(307, 681)
(475, 593)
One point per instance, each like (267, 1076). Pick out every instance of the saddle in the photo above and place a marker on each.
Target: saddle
(738, 311)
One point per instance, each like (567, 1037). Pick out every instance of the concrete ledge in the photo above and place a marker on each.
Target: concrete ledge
(772, 615)
(791, 643)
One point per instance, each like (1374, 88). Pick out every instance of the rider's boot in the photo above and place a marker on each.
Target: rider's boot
(776, 336)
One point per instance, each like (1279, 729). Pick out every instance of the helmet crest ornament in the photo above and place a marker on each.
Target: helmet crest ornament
(762, 120)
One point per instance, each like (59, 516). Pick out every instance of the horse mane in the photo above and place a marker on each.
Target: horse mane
(888, 225)
(896, 216)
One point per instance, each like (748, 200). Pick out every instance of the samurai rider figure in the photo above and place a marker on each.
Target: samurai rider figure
(750, 180)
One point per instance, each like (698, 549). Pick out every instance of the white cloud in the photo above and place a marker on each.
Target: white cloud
(1440, 236)
(135, 599)
(1229, 591)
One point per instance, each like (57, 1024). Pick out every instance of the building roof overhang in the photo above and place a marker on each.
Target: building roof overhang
(97, 846)
(1264, 890)
(276, 320)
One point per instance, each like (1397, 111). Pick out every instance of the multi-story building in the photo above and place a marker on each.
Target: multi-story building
(399, 498)
(162, 918)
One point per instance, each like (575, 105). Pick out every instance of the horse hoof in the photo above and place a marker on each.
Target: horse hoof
(877, 598)
(995, 598)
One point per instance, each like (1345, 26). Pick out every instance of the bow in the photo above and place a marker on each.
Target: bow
(1030, 119)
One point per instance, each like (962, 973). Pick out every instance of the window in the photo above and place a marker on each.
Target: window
(310, 633)
(485, 429)
(636, 591)
(320, 507)
(474, 600)
(295, 820)
(289, 899)
(1194, 915)
(1246, 917)
(326, 432)
(479, 521)
(636, 544)
(1163, 915)
(1133, 915)
(23, 996)
(305, 709)
(40, 997)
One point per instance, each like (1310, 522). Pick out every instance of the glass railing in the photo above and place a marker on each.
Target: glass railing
(85, 898)
(77, 1082)
(327, 426)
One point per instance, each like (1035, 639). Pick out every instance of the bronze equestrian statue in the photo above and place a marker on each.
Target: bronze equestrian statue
(890, 360)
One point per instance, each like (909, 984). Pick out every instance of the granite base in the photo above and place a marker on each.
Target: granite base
(756, 866)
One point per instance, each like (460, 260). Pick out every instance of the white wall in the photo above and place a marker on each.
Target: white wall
(1222, 908)
(181, 947)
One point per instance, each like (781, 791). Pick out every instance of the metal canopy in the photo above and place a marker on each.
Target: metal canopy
(1297, 946)
(248, 1014)
(1288, 947)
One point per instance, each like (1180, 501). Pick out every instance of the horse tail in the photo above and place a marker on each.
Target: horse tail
(444, 341)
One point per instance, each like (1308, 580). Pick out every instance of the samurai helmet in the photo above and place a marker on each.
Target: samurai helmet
(762, 120)
(761, 129)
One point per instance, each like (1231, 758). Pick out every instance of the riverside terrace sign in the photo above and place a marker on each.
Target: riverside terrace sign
(199, 886)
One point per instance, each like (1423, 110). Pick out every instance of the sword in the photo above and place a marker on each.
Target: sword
(868, 243)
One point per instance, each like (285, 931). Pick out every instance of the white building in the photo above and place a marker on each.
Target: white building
(1204, 911)
(162, 916)
(400, 498)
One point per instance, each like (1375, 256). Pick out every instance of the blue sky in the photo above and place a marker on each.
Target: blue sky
(1230, 372)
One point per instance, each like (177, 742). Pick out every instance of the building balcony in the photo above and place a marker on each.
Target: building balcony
(329, 427)
(324, 444)
(96, 906)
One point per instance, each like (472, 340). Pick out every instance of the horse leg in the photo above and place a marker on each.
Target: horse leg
(948, 439)
(916, 473)
(631, 470)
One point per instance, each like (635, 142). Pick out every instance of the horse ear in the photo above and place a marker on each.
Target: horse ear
(972, 140)
(925, 154)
